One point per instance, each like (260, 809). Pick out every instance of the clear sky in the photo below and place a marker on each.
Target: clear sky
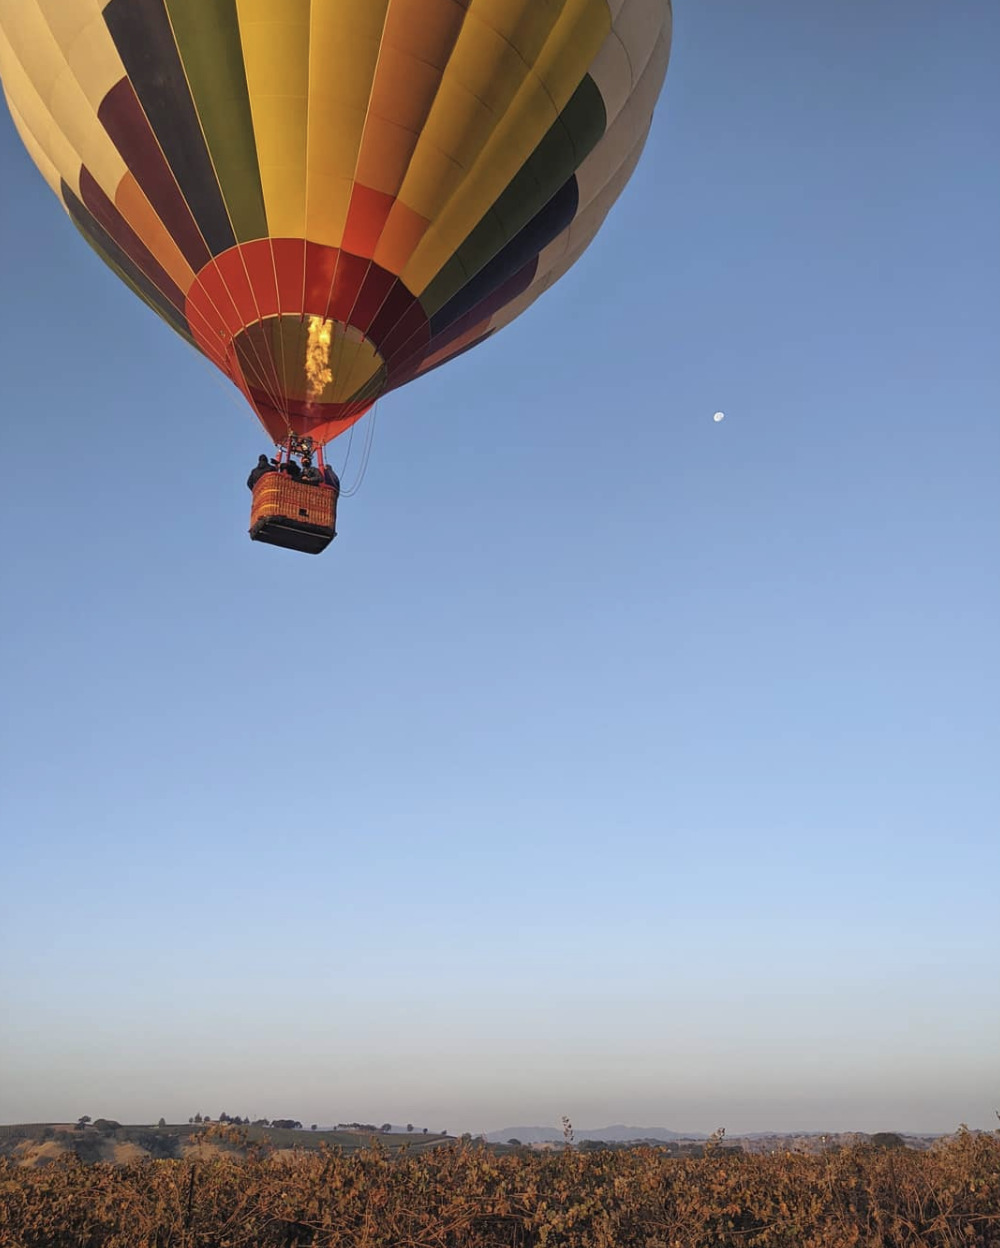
(613, 762)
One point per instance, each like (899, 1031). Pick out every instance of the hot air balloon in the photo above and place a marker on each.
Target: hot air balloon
(329, 198)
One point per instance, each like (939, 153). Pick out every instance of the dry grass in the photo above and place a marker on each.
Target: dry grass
(468, 1197)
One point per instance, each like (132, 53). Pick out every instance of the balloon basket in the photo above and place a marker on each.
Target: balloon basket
(293, 515)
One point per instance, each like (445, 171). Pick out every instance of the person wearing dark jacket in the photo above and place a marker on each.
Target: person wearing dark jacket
(311, 475)
(264, 466)
(331, 478)
(292, 469)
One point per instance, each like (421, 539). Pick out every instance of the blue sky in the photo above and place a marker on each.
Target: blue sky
(613, 762)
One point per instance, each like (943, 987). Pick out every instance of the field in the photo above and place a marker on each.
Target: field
(466, 1196)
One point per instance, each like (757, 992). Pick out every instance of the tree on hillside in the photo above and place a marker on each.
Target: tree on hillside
(314, 1127)
(163, 1122)
(409, 1126)
(82, 1122)
(888, 1139)
(514, 1142)
(386, 1128)
(425, 1130)
(197, 1118)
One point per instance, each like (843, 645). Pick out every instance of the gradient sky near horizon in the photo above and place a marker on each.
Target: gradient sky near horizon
(614, 762)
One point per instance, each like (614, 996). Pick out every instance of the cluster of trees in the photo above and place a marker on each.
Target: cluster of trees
(285, 1124)
(237, 1121)
(384, 1129)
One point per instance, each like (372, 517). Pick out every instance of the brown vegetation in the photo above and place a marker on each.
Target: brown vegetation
(468, 1197)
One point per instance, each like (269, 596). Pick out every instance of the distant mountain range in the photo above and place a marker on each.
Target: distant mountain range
(616, 1134)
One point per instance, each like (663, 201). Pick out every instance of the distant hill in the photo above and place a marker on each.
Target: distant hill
(617, 1134)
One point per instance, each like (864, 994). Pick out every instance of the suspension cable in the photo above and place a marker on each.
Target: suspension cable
(365, 457)
(347, 456)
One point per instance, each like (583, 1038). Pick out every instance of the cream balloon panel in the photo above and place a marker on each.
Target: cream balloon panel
(601, 178)
(58, 62)
(57, 59)
(36, 150)
(559, 259)
(633, 119)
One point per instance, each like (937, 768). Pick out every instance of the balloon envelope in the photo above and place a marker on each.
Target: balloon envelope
(330, 197)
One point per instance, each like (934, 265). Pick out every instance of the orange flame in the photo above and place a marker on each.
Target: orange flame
(318, 369)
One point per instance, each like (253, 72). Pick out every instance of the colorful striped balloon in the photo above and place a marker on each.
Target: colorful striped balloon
(330, 197)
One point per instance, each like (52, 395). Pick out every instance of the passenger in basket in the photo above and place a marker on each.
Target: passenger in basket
(292, 469)
(311, 475)
(331, 478)
(264, 466)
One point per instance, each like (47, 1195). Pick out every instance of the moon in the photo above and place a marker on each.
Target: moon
(719, 417)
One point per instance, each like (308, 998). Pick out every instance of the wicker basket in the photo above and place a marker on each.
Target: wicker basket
(290, 514)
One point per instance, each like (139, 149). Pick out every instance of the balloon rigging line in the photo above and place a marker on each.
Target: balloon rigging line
(261, 376)
(258, 371)
(365, 458)
(284, 404)
(347, 457)
(254, 374)
(276, 397)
